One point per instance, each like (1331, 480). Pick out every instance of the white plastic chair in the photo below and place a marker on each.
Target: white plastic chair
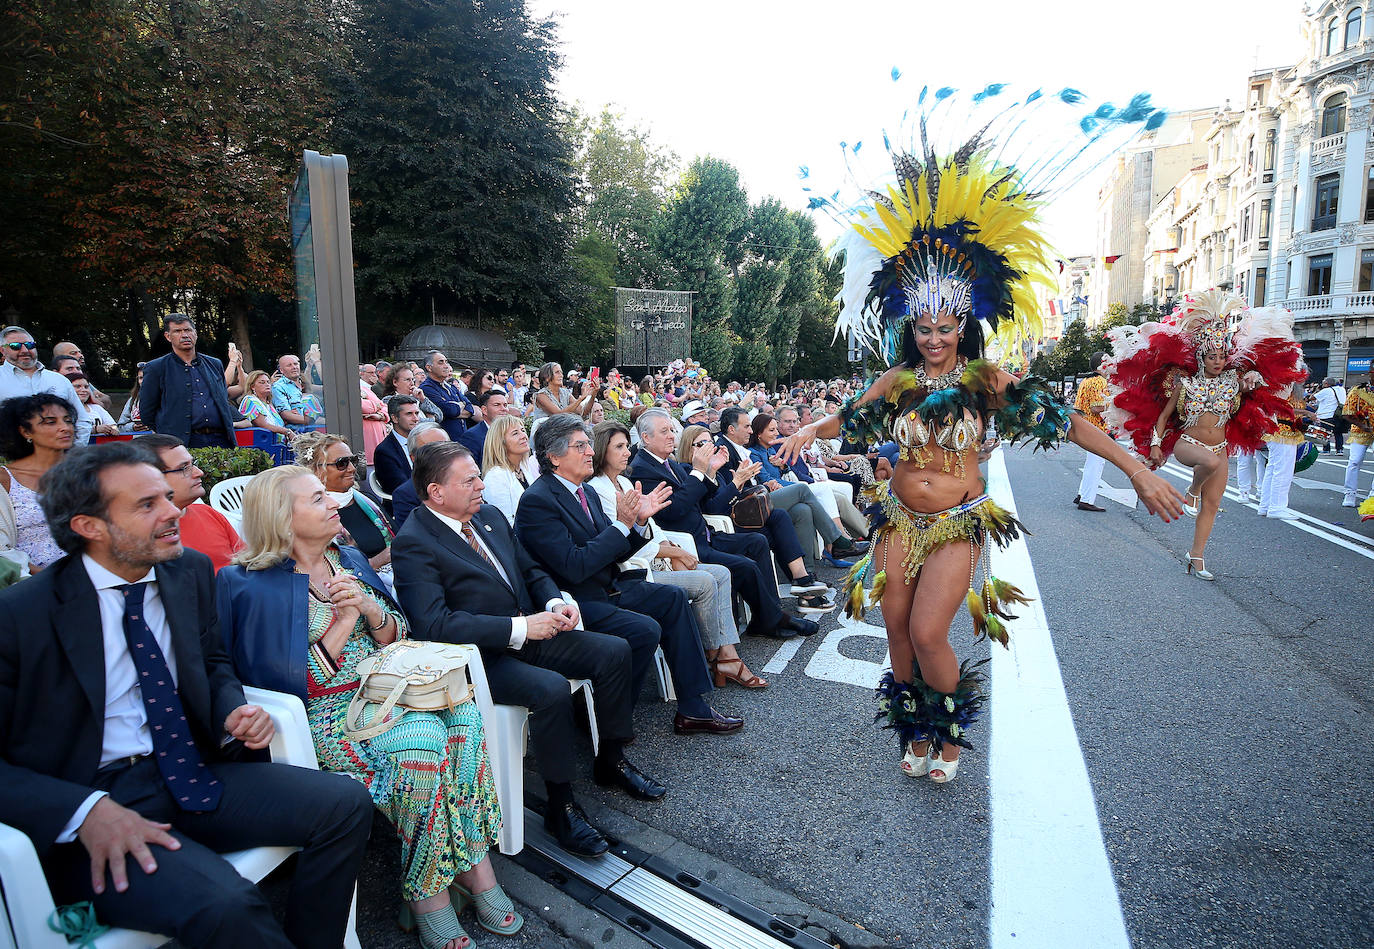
(28, 903)
(227, 498)
(375, 485)
(507, 731)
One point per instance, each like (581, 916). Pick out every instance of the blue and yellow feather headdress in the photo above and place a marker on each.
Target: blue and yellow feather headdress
(957, 228)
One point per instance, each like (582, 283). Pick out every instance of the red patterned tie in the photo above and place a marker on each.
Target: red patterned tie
(582, 496)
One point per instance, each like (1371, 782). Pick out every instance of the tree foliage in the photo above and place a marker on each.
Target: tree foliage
(461, 176)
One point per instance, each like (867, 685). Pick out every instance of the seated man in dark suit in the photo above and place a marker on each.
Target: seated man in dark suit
(404, 500)
(747, 555)
(490, 405)
(391, 460)
(131, 805)
(462, 578)
(571, 537)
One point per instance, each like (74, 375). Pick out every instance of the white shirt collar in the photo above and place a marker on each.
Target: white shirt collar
(572, 488)
(455, 524)
(103, 579)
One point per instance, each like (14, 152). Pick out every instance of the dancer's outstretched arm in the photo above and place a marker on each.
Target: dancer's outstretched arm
(1161, 498)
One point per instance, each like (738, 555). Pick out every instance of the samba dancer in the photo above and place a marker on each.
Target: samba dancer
(1193, 388)
(953, 245)
(1359, 412)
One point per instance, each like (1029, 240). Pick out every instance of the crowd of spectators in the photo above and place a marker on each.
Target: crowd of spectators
(559, 522)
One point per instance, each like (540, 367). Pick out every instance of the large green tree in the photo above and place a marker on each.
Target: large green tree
(699, 236)
(161, 138)
(461, 176)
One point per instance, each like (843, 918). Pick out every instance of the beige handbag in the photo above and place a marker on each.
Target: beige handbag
(409, 675)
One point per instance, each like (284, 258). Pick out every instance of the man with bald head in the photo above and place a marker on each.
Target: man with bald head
(74, 351)
(288, 395)
(404, 499)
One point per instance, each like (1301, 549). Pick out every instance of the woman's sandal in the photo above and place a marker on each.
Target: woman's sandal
(1191, 509)
(751, 681)
(437, 928)
(492, 907)
(1200, 571)
(913, 765)
(947, 769)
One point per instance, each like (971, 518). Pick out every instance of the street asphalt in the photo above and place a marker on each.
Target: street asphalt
(1224, 726)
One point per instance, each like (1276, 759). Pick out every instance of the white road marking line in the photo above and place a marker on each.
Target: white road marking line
(830, 664)
(1304, 522)
(1052, 885)
(783, 656)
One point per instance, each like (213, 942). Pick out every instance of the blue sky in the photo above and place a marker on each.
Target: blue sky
(770, 86)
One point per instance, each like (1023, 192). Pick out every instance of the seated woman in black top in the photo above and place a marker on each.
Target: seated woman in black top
(333, 462)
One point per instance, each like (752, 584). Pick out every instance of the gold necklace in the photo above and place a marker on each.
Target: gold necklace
(945, 380)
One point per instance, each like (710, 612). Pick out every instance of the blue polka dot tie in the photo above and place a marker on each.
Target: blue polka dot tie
(193, 785)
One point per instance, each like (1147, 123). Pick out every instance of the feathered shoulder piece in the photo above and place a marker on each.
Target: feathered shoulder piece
(1031, 412)
(953, 226)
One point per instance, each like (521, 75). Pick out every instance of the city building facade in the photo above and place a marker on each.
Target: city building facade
(1280, 206)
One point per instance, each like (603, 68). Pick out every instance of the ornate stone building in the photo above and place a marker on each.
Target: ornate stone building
(1282, 210)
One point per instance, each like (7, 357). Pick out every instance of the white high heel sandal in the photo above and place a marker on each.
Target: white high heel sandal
(948, 769)
(913, 765)
(1192, 509)
(1201, 570)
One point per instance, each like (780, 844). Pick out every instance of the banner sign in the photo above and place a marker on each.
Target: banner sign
(652, 327)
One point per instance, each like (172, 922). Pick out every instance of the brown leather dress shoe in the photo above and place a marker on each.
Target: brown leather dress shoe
(1085, 506)
(717, 724)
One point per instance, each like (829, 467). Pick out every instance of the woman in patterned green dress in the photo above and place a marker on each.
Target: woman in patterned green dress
(299, 613)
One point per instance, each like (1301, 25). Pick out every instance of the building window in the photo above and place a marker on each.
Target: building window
(1250, 155)
(1319, 275)
(1333, 115)
(1369, 196)
(1352, 27)
(1333, 36)
(1271, 143)
(1261, 286)
(1245, 225)
(1293, 216)
(1324, 196)
(1265, 207)
(1365, 281)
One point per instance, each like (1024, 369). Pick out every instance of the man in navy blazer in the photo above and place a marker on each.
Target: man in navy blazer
(461, 577)
(491, 405)
(747, 555)
(183, 393)
(92, 754)
(441, 388)
(391, 459)
(581, 548)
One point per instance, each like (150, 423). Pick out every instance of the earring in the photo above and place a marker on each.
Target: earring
(29, 440)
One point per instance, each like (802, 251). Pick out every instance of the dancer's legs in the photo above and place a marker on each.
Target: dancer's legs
(922, 634)
(1210, 473)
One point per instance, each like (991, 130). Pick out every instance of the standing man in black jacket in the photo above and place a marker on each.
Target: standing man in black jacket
(462, 578)
(582, 548)
(120, 723)
(183, 392)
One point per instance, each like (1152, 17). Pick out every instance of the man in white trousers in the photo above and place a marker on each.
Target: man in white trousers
(1092, 402)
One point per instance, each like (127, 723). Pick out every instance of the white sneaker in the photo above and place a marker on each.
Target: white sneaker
(1350, 501)
(1249, 496)
(1263, 512)
(1283, 514)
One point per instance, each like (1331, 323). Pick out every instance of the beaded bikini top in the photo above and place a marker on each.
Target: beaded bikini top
(1201, 394)
(949, 411)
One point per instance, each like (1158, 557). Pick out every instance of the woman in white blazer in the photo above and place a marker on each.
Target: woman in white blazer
(508, 465)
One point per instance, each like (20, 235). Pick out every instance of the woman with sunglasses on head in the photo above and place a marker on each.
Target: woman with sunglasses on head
(331, 460)
(36, 432)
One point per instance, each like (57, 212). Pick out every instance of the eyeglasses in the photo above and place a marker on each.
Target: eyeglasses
(27, 344)
(180, 469)
(581, 445)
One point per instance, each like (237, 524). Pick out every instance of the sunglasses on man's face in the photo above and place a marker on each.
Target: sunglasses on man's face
(15, 347)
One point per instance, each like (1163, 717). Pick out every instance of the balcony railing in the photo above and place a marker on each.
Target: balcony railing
(1322, 306)
(1328, 145)
(1362, 301)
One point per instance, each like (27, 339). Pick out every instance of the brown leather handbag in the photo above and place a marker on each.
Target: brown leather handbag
(750, 510)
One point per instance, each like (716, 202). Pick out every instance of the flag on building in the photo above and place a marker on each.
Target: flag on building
(1108, 261)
